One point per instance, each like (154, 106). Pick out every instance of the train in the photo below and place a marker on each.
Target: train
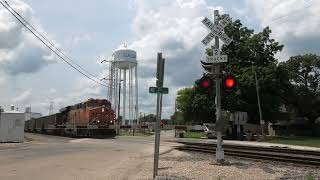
(91, 118)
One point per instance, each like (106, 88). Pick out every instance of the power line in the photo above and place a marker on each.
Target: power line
(51, 43)
(287, 15)
(26, 24)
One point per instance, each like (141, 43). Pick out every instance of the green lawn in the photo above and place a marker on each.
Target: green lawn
(127, 133)
(194, 135)
(300, 141)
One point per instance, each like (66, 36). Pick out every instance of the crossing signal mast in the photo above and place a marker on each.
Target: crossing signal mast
(212, 67)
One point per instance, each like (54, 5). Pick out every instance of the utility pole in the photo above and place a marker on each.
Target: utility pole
(262, 122)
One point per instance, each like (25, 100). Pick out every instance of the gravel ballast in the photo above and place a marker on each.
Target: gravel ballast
(193, 165)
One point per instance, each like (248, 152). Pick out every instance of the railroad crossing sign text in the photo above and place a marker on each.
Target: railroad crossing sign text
(216, 30)
(217, 59)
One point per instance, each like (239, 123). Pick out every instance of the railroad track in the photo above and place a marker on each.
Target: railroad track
(303, 157)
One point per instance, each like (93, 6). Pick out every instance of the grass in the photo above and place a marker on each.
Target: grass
(309, 176)
(195, 135)
(127, 133)
(300, 141)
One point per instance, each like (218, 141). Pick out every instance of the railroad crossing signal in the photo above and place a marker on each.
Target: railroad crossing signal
(216, 30)
(207, 66)
(217, 59)
(206, 84)
(229, 83)
(162, 90)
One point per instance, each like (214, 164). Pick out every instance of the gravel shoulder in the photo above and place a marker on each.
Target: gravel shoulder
(178, 165)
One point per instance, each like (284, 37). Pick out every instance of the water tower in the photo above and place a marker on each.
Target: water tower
(123, 79)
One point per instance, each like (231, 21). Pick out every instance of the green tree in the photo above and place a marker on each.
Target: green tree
(304, 75)
(247, 53)
(184, 101)
(304, 71)
(193, 106)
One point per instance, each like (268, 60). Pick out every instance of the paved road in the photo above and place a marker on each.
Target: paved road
(55, 158)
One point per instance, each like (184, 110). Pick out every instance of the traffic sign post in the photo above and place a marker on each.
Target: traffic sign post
(213, 62)
(159, 90)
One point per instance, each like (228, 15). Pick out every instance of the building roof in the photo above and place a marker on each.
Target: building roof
(12, 112)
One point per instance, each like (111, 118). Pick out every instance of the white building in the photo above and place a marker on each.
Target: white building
(12, 126)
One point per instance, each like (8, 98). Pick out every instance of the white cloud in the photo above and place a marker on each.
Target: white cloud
(20, 51)
(3, 79)
(191, 3)
(86, 37)
(294, 23)
(175, 29)
(23, 98)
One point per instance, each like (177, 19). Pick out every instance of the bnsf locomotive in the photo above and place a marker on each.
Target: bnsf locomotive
(87, 119)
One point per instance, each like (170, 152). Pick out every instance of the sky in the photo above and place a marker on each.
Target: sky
(89, 31)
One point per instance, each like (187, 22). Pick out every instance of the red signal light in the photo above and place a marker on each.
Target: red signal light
(205, 83)
(229, 82)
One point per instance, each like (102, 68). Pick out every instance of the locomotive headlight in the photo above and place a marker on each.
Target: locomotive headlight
(98, 121)
(110, 121)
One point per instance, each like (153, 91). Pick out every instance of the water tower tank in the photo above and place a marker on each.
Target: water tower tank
(125, 58)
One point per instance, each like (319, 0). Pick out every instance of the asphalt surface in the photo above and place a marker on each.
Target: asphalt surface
(61, 158)
(54, 158)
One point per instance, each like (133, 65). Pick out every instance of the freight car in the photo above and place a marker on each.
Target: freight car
(91, 118)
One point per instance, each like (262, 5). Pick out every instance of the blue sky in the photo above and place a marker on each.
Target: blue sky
(89, 31)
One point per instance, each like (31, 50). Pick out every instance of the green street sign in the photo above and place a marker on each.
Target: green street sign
(153, 89)
(163, 90)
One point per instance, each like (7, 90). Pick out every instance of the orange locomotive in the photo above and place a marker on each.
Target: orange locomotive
(91, 112)
(91, 118)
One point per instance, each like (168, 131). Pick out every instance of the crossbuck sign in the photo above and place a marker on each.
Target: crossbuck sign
(217, 30)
